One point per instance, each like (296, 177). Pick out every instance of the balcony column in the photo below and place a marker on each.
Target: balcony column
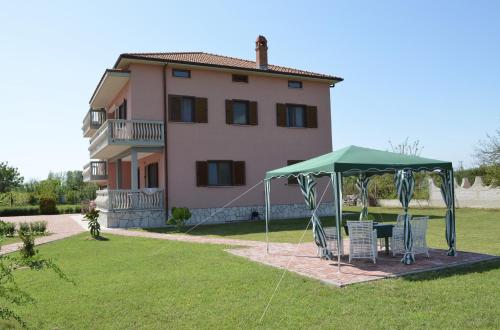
(133, 170)
(118, 173)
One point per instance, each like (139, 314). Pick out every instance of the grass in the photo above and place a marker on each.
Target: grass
(9, 240)
(474, 228)
(128, 282)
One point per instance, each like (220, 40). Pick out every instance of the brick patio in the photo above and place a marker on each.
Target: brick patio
(302, 259)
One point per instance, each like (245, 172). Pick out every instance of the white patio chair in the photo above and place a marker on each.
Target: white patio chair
(362, 240)
(332, 239)
(418, 230)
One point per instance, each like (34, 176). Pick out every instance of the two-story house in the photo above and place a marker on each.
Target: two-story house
(196, 130)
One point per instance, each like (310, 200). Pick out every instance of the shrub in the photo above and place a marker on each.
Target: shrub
(24, 228)
(7, 228)
(94, 227)
(19, 210)
(179, 216)
(66, 209)
(38, 227)
(48, 205)
(28, 249)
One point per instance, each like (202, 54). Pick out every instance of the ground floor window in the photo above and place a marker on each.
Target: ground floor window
(220, 173)
(152, 176)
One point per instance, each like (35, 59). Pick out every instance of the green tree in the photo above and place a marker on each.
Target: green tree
(9, 177)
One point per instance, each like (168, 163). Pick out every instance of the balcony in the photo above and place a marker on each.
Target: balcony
(120, 200)
(92, 121)
(116, 136)
(95, 171)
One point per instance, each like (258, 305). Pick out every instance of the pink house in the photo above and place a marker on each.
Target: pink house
(196, 130)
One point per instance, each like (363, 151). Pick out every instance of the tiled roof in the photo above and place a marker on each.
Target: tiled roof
(214, 60)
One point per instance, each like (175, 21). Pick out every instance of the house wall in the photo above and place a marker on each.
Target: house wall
(262, 147)
(126, 179)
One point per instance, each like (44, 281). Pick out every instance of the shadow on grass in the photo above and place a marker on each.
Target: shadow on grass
(277, 225)
(100, 238)
(475, 268)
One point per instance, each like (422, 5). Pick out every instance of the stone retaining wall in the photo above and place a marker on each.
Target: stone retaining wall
(132, 218)
(232, 214)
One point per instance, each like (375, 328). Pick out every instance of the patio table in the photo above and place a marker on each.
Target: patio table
(384, 231)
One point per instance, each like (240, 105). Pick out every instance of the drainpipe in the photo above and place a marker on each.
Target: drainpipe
(165, 120)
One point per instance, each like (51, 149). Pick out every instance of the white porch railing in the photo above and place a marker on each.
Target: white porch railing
(144, 199)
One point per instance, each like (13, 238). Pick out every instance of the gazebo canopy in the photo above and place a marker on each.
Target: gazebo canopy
(355, 160)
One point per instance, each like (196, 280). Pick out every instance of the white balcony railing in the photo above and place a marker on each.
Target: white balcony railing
(126, 133)
(95, 171)
(144, 199)
(92, 121)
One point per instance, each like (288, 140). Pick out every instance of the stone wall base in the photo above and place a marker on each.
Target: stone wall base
(156, 218)
(242, 213)
(132, 218)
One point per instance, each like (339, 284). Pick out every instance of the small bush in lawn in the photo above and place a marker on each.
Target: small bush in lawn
(28, 249)
(179, 216)
(94, 227)
(24, 228)
(48, 205)
(38, 227)
(7, 228)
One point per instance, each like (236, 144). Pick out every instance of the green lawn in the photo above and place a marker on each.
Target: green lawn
(128, 282)
(9, 240)
(474, 228)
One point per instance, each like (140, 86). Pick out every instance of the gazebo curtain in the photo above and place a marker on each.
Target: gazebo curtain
(447, 187)
(405, 183)
(362, 185)
(308, 189)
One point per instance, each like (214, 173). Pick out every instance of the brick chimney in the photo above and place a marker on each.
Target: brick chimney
(261, 52)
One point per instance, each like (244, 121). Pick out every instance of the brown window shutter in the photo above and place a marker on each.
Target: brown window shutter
(174, 108)
(201, 115)
(239, 173)
(312, 116)
(252, 113)
(201, 174)
(229, 111)
(281, 114)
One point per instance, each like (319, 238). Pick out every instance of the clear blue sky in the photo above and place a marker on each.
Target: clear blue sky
(429, 70)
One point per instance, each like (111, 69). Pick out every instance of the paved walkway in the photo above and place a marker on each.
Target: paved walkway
(59, 226)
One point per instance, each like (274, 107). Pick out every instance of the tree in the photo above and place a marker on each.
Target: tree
(9, 177)
(488, 151)
(406, 148)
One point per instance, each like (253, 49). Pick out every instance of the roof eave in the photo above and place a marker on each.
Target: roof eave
(331, 79)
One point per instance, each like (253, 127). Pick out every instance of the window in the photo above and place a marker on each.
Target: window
(294, 84)
(240, 112)
(152, 175)
(295, 116)
(220, 173)
(187, 109)
(121, 111)
(179, 73)
(293, 180)
(240, 78)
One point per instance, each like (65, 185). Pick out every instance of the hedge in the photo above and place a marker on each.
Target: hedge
(35, 210)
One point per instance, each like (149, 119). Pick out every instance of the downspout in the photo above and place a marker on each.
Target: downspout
(165, 120)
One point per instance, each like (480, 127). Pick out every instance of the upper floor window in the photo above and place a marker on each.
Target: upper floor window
(121, 111)
(294, 84)
(187, 109)
(220, 173)
(296, 115)
(240, 78)
(181, 73)
(241, 112)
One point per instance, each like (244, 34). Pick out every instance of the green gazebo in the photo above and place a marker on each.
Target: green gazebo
(364, 163)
